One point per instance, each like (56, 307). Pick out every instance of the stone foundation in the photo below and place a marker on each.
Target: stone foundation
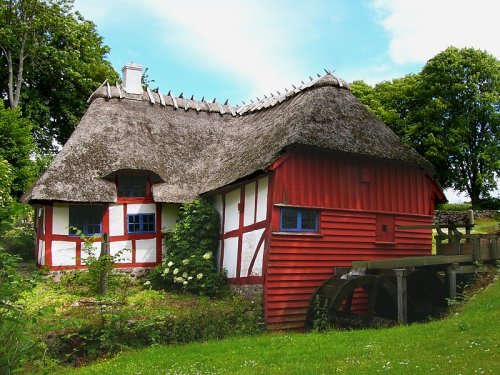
(458, 217)
(135, 273)
(252, 292)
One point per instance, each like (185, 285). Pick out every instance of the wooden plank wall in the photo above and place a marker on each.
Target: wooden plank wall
(338, 181)
(348, 194)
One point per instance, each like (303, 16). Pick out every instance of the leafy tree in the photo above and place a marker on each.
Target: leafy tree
(52, 59)
(17, 148)
(457, 125)
(449, 112)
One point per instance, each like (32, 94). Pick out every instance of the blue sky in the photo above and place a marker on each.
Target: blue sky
(240, 49)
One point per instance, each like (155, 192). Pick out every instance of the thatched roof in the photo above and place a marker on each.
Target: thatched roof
(192, 147)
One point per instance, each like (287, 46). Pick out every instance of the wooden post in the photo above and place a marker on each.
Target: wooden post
(401, 274)
(452, 278)
(476, 248)
(103, 279)
(494, 248)
(469, 222)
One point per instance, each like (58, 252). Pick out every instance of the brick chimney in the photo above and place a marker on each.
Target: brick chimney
(132, 74)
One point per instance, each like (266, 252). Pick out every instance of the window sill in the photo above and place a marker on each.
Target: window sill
(300, 234)
(384, 243)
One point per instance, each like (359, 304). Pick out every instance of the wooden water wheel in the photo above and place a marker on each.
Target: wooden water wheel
(339, 299)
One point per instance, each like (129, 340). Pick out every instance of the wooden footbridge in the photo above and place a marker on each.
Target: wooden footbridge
(405, 289)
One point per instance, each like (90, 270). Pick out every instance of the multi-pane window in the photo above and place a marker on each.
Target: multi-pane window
(298, 220)
(132, 186)
(141, 223)
(87, 219)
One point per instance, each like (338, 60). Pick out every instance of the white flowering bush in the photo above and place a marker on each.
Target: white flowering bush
(189, 264)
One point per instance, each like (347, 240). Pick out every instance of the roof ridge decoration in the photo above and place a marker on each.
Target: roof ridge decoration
(107, 91)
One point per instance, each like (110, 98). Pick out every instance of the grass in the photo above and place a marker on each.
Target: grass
(77, 328)
(468, 342)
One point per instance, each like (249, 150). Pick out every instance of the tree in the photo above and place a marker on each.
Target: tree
(457, 124)
(17, 150)
(449, 113)
(52, 60)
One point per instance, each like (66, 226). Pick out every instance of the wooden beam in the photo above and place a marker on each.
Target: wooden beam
(150, 95)
(162, 99)
(119, 90)
(431, 260)
(452, 280)
(430, 226)
(401, 275)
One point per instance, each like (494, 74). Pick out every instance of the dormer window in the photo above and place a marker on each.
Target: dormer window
(133, 186)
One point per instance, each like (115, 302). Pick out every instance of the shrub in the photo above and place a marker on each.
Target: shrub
(16, 230)
(490, 203)
(16, 344)
(189, 263)
(99, 268)
(454, 206)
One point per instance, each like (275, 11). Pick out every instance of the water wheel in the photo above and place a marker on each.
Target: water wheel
(339, 300)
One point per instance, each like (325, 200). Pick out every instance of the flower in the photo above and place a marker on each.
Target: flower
(147, 283)
(170, 264)
(199, 276)
(185, 282)
(185, 275)
(185, 261)
(176, 271)
(207, 255)
(190, 278)
(166, 270)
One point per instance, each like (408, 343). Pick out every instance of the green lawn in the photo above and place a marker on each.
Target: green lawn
(465, 343)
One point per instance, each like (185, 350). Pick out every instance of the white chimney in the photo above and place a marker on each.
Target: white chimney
(132, 74)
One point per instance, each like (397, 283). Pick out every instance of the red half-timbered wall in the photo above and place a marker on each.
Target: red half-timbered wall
(354, 197)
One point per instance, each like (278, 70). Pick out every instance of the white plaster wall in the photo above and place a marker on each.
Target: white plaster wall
(41, 252)
(249, 245)
(249, 204)
(232, 215)
(169, 215)
(230, 256)
(148, 208)
(63, 253)
(116, 220)
(115, 247)
(60, 221)
(145, 251)
(94, 251)
(262, 199)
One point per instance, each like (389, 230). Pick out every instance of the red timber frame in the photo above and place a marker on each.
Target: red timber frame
(48, 236)
(242, 229)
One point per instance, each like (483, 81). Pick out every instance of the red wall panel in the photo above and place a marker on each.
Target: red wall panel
(348, 192)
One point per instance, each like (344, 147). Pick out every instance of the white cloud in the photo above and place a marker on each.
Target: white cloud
(252, 41)
(421, 29)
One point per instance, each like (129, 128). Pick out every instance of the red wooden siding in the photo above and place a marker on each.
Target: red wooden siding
(349, 194)
(313, 179)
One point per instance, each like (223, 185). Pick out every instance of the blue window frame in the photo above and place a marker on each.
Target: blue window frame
(141, 223)
(87, 219)
(298, 220)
